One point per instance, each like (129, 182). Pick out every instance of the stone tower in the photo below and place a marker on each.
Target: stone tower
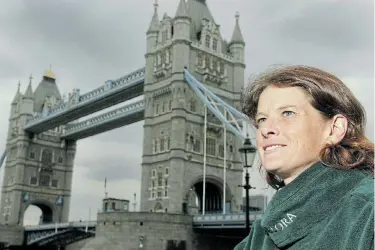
(38, 168)
(172, 161)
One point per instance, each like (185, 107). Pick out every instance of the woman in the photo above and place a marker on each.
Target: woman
(310, 137)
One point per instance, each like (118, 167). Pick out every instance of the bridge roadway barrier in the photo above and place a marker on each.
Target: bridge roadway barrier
(119, 117)
(62, 225)
(109, 94)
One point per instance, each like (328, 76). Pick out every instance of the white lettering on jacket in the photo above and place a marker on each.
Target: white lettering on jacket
(283, 223)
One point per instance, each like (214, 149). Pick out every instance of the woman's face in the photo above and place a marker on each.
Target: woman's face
(291, 133)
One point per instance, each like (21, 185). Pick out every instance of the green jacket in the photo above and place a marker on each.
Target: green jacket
(322, 209)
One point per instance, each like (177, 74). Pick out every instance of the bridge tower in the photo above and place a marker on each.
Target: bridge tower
(172, 160)
(38, 169)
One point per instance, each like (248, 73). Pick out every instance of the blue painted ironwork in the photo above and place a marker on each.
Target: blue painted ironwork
(234, 220)
(61, 233)
(109, 88)
(2, 158)
(236, 121)
(111, 116)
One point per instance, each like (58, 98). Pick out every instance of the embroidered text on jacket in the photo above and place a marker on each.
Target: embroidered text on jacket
(283, 223)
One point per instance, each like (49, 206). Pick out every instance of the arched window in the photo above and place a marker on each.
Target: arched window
(158, 208)
(47, 158)
(192, 106)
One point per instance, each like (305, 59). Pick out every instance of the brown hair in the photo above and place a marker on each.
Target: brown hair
(330, 96)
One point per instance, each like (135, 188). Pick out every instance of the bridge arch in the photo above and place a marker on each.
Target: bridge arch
(48, 211)
(214, 195)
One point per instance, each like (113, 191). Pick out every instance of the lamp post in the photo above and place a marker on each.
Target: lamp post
(248, 152)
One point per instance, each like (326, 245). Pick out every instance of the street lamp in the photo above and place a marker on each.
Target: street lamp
(248, 152)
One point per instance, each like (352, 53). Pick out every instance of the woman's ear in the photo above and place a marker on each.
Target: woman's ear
(337, 129)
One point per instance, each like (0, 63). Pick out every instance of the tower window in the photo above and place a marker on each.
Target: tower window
(32, 155)
(207, 62)
(192, 106)
(214, 44)
(33, 181)
(211, 146)
(214, 65)
(155, 146)
(221, 68)
(199, 35)
(47, 158)
(200, 59)
(54, 183)
(163, 58)
(160, 179)
(197, 145)
(44, 180)
(221, 151)
(208, 41)
(162, 144)
(60, 159)
(168, 143)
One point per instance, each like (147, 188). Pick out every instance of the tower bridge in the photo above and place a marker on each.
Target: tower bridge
(192, 88)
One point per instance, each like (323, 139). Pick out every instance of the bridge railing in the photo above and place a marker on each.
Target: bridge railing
(226, 217)
(113, 114)
(78, 100)
(61, 225)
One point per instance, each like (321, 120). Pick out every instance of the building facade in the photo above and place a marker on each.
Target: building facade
(38, 169)
(172, 161)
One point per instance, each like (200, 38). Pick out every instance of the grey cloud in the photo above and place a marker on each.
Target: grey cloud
(90, 41)
(336, 35)
(337, 25)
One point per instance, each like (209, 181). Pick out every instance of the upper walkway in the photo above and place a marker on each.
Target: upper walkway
(109, 94)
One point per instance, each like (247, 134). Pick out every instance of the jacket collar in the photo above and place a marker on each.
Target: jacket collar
(305, 201)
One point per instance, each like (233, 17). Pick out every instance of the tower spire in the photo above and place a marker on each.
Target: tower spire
(154, 25)
(17, 96)
(237, 34)
(182, 9)
(29, 91)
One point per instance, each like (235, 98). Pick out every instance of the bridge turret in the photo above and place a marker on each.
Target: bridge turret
(153, 30)
(181, 37)
(237, 49)
(14, 113)
(38, 170)
(27, 104)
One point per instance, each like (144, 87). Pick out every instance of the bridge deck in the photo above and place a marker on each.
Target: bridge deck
(119, 117)
(108, 95)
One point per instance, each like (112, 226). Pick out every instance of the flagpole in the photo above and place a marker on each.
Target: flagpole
(225, 164)
(204, 161)
(105, 188)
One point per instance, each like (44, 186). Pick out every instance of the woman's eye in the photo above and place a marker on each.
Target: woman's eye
(260, 120)
(288, 113)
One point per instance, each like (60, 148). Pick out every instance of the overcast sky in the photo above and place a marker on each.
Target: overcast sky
(90, 41)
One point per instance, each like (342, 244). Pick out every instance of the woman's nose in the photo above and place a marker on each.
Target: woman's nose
(269, 129)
